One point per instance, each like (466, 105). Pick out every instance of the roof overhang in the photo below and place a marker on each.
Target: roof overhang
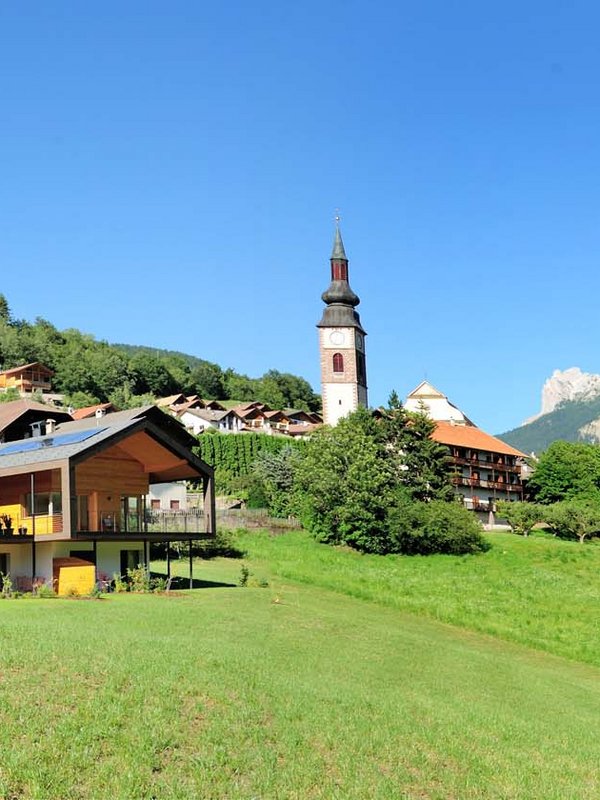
(188, 466)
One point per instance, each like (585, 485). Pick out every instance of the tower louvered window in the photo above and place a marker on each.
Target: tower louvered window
(338, 362)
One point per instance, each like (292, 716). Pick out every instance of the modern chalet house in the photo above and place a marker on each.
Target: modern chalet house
(485, 469)
(79, 491)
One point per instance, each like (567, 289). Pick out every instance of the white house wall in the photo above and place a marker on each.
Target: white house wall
(19, 559)
(195, 424)
(165, 492)
(108, 556)
(438, 408)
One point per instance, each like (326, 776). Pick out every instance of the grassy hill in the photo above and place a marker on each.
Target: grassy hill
(562, 423)
(347, 677)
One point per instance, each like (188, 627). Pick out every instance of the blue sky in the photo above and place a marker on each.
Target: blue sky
(170, 173)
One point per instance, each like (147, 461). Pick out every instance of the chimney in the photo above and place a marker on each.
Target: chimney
(50, 426)
(36, 428)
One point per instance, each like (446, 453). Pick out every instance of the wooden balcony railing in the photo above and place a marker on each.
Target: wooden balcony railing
(459, 480)
(487, 465)
(153, 521)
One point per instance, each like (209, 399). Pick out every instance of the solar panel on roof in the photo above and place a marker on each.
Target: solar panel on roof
(48, 442)
(75, 437)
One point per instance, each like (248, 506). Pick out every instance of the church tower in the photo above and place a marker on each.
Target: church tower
(341, 343)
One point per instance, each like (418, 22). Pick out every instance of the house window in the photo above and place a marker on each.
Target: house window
(338, 362)
(46, 503)
(155, 505)
(174, 505)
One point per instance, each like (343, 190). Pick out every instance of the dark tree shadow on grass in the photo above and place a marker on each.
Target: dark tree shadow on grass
(182, 582)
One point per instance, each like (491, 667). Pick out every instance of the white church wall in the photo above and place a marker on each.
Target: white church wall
(339, 399)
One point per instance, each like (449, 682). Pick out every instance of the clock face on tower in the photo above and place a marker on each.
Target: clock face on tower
(337, 338)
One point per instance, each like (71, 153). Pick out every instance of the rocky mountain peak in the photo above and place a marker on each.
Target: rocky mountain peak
(566, 385)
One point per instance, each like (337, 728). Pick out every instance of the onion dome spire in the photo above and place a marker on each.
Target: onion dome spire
(339, 297)
(338, 246)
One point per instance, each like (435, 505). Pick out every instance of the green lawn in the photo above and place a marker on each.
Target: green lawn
(538, 591)
(298, 691)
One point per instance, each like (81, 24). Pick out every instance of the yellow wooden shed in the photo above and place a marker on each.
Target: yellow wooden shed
(73, 576)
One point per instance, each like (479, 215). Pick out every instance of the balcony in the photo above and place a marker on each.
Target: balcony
(487, 465)
(149, 524)
(459, 480)
(30, 385)
(41, 524)
(190, 521)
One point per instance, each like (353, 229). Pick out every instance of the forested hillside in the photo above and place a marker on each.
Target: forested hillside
(565, 422)
(88, 371)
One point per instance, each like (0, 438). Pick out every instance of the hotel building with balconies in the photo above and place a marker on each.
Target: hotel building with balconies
(484, 468)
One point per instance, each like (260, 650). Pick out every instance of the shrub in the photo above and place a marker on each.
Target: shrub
(7, 585)
(119, 584)
(138, 578)
(45, 590)
(158, 584)
(244, 575)
(417, 528)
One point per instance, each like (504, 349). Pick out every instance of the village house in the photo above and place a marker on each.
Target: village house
(98, 410)
(300, 417)
(27, 379)
(276, 421)
(197, 420)
(22, 419)
(198, 415)
(171, 401)
(79, 491)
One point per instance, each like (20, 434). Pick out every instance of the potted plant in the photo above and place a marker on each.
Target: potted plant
(7, 520)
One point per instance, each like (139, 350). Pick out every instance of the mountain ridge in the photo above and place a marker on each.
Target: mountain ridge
(571, 421)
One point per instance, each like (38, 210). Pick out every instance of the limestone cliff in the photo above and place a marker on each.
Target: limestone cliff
(570, 411)
(569, 385)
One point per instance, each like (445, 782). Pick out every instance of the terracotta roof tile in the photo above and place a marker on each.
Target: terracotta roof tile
(90, 411)
(470, 436)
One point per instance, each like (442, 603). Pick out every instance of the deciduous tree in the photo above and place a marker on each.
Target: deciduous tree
(578, 519)
(565, 471)
(520, 516)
